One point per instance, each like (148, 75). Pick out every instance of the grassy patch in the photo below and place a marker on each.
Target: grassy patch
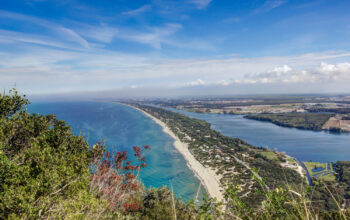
(311, 165)
(291, 160)
(326, 174)
(330, 177)
(270, 155)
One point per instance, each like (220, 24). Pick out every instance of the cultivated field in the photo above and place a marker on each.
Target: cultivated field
(337, 122)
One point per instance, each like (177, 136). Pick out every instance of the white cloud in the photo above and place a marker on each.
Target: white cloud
(102, 33)
(281, 69)
(137, 11)
(154, 37)
(198, 82)
(58, 70)
(323, 73)
(269, 5)
(88, 36)
(224, 82)
(151, 36)
(71, 35)
(334, 68)
(55, 29)
(13, 37)
(201, 4)
(337, 71)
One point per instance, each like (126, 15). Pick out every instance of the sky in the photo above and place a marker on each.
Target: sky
(127, 48)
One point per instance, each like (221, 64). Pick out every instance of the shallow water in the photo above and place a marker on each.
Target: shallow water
(122, 127)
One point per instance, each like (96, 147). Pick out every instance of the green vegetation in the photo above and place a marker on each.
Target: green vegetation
(334, 178)
(270, 155)
(329, 178)
(46, 172)
(331, 110)
(336, 184)
(291, 160)
(312, 165)
(43, 167)
(309, 121)
(322, 171)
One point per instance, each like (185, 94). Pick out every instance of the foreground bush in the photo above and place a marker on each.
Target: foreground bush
(43, 166)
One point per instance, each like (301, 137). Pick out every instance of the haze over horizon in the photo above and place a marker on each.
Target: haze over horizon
(167, 48)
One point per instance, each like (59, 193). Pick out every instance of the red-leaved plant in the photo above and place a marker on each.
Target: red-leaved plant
(115, 179)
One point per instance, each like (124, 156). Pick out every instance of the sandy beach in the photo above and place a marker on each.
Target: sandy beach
(207, 176)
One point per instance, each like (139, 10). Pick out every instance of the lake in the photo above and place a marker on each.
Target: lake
(304, 145)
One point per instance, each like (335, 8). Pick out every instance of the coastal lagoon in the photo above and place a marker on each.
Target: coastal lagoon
(121, 128)
(304, 145)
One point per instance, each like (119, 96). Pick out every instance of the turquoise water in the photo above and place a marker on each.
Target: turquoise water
(302, 144)
(122, 127)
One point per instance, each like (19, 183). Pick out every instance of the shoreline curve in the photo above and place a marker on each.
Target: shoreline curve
(209, 179)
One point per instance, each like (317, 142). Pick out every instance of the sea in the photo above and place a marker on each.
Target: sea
(121, 127)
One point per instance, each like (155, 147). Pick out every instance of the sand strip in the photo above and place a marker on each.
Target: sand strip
(207, 176)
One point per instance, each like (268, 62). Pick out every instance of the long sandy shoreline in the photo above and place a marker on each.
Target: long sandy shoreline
(209, 179)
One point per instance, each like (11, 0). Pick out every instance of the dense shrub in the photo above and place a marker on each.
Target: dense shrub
(309, 121)
(42, 164)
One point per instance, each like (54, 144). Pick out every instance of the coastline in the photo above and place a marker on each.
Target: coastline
(209, 179)
(329, 129)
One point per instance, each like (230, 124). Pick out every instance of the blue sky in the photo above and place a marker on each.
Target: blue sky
(193, 46)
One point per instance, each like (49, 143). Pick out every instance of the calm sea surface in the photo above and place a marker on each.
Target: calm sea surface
(302, 144)
(122, 127)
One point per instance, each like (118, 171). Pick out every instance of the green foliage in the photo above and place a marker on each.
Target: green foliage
(332, 110)
(11, 103)
(283, 202)
(310, 121)
(157, 204)
(343, 168)
(42, 164)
